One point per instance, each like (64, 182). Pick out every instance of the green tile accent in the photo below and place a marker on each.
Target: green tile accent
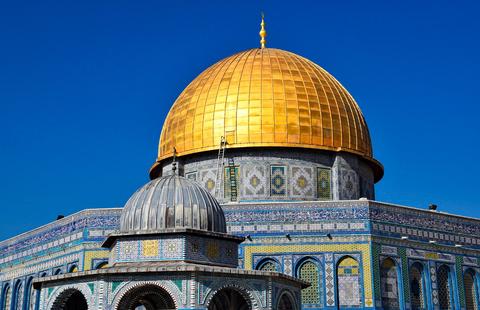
(115, 284)
(178, 283)
(91, 286)
(461, 286)
(402, 252)
(376, 270)
(50, 290)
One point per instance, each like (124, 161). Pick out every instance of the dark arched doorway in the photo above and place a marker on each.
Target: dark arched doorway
(146, 297)
(70, 299)
(285, 303)
(228, 299)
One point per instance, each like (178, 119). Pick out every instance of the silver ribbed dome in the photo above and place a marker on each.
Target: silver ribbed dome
(171, 202)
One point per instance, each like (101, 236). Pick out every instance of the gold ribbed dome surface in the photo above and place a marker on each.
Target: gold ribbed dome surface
(265, 98)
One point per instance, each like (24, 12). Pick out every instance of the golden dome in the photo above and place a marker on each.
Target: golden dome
(266, 98)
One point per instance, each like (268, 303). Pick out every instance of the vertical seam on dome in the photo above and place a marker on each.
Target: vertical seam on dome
(298, 105)
(228, 62)
(239, 58)
(332, 80)
(365, 145)
(250, 95)
(273, 92)
(316, 73)
(202, 83)
(284, 99)
(309, 67)
(210, 81)
(238, 91)
(338, 111)
(149, 201)
(353, 116)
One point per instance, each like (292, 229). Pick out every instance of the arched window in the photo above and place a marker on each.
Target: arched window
(7, 298)
(18, 296)
(58, 271)
(73, 268)
(389, 284)
(471, 294)
(267, 265)
(444, 288)
(348, 283)
(417, 287)
(308, 271)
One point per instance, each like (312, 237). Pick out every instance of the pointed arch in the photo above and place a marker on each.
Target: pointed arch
(6, 297)
(389, 284)
(445, 287)
(17, 300)
(70, 299)
(286, 301)
(229, 298)
(471, 289)
(418, 289)
(30, 294)
(308, 270)
(268, 264)
(348, 283)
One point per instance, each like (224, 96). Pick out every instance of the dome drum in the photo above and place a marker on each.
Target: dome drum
(174, 245)
(280, 174)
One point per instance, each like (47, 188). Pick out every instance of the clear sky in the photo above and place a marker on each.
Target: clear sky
(85, 87)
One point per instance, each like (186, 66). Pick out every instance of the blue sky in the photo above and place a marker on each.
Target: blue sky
(85, 87)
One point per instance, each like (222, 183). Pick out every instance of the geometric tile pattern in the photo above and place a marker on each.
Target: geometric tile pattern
(254, 183)
(364, 248)
(309, 272)
(278, 181)
(389, 284)
(227, 182)
(444, 288)
(330, 284)
(470, 290)
(324, 191)
(302, 182)
(207, 180)
(349, 184)
(348, 275)
(417, 287)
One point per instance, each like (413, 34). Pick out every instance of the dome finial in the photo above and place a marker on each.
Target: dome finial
(263, 32)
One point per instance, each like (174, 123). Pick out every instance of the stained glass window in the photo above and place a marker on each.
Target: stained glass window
(389, 284)
(268, 266)
(324, 183)
(308, 271)
(470, 290)
(444, 288)
(348, 283)
(417, 287)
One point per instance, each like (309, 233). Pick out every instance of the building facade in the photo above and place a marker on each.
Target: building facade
(286, 151)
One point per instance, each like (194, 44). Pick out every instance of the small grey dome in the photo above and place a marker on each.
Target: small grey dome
(171, 202)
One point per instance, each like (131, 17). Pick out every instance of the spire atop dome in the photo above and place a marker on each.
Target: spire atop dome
(263, 32)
